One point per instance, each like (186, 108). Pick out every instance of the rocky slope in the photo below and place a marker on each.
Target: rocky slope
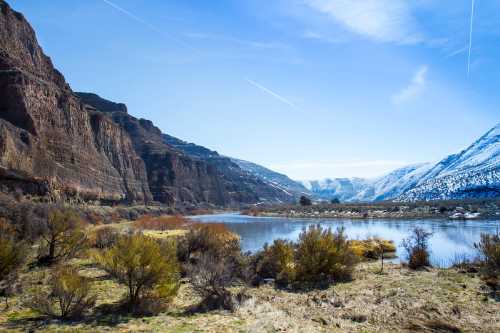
(231, 169)
(49, 144)
(273, 178)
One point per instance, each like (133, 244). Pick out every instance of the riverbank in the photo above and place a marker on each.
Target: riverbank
(476, 209)
(397, 300)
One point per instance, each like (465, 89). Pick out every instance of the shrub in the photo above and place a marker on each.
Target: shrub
(305, 201)
(213, 238)
(12, 255)
(372, 248)
(210, 277)
(104, 237)
(68, 297)
(27, 219)
(63, 236)
(489, 250)
(276, 262)
(323, 256)
(335, 201)
(161, 223)
(149, 271)
(416, 248)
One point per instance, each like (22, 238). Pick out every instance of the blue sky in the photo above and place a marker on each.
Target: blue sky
(312, 88)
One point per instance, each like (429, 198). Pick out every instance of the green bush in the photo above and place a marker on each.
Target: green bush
(63, 236)
(276, 262)
(68, 297)
(148, 269)
(323, 257)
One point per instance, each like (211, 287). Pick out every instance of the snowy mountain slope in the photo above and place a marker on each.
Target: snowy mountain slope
(385, 187)
(472, 173)
(273, 178)
(345, 189)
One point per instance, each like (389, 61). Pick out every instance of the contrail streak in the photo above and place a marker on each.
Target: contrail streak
(149, 25)
(470, 36)
(272, 93)
(185, 45)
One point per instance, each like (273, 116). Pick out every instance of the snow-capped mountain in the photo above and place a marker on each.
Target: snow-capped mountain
(472, 173)
(385, 187)
(345, 189)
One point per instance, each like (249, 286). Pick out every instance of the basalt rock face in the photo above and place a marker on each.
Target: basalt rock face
(49, 143)
(178, 175)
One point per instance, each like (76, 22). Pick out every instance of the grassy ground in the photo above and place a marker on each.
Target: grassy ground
(399, 300)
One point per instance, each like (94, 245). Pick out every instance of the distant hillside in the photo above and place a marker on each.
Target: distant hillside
(273, 178)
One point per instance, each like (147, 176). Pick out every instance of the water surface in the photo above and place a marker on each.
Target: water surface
(449, 237)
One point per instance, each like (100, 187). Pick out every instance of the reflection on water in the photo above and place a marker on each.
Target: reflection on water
(449, 238)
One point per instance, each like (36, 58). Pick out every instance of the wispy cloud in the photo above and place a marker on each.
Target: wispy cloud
(414, 88)
(309, 34)
(150, 26)
(272, 93)
(380, 20)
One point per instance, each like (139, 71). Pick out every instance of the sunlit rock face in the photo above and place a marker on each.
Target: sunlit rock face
(49, 143)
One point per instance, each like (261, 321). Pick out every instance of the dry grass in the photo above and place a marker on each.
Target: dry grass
(161, 223)
(399, 300)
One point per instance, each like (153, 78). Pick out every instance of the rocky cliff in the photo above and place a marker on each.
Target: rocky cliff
(180, 172)
(49, 144)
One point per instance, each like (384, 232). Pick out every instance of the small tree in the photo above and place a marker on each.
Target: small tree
(335, 201)
(416, 248)
(104, 238)
(68, 297)
(489, 251)
(146, 268)
(63, 236)
(305, 201)
(12, 255)
(323, 256)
